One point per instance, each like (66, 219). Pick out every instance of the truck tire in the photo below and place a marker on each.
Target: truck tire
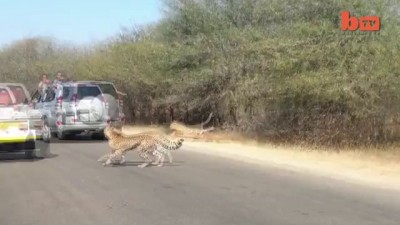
(61, 135)
(29, 147)
(29, 154)
(98, 136)
(46, 132)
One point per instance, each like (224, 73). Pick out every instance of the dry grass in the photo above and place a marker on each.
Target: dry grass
(380, 167)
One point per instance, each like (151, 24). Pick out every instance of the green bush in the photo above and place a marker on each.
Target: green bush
(281, 70)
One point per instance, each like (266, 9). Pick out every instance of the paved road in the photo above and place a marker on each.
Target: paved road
(73, 188)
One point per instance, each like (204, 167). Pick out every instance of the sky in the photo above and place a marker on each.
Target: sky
(79, 22)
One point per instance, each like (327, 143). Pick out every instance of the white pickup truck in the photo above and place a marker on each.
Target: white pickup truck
(22, 128)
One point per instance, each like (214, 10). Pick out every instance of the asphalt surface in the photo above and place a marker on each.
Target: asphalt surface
(72, 188)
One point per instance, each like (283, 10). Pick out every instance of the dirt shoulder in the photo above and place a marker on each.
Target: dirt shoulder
(370, 167)
(351, 166)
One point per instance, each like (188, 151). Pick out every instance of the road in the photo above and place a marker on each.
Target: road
(71, 187)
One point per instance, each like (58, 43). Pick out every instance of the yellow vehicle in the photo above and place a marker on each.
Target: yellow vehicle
(22, 128)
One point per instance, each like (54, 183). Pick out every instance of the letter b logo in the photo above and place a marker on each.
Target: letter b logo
(349, 22)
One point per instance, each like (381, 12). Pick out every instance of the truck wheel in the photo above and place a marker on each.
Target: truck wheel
(29, 154)
(29, 147)
(46, 133)
(44, 151)
(61, 135)
(98, 136)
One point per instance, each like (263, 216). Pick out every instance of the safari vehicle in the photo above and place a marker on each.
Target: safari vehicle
(19, 91)
(72, 108)
(21, 127)
(114, 99)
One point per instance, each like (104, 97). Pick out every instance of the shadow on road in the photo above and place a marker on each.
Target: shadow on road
(137, 163)
(20, 157)
(75, 139)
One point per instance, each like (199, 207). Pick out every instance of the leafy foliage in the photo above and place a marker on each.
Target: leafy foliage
(280, 69)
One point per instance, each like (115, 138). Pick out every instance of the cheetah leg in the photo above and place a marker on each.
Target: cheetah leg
(169, 154)
(104, 157)
(160, 159)
(113, 159)
(108, 162)
(123, 159)
(156, 154)
(113, 156)
(146, 158)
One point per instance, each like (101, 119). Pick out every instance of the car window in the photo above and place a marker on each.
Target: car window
(67, 93)
(19, 93)
(88, 91)
(109, 89)
(5, 98)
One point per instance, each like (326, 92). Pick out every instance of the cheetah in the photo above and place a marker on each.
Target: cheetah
(160, 152)
(146, 144)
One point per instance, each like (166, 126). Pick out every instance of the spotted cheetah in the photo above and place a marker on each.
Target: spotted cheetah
(160, 152)
(146, 144)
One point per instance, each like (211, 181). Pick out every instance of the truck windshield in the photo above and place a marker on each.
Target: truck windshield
(5, 98)
(108, 89)
(18, 93)
(88, 91)
(81, 91)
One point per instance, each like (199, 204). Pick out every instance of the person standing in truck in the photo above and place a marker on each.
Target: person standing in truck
(43, 84)
(59, 79)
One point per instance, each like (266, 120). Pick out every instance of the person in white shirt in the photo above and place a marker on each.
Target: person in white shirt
(43, 84)
(59, 79)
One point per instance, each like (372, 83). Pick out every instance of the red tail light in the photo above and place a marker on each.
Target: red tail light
(120, 101)
(74, 98)
(59, 102)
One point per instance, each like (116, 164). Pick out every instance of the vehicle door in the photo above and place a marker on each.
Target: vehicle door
(37, 101)
(49, 107)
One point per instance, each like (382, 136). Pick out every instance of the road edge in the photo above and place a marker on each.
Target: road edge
(264, 160)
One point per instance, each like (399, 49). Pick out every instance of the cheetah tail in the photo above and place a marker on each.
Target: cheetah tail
(177, 144)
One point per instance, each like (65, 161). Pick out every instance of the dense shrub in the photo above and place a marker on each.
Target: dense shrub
(279, 69)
